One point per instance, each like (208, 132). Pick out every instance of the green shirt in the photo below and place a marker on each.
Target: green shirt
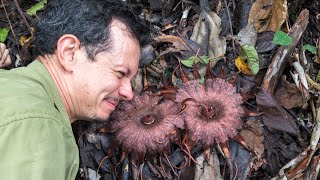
(36, 139)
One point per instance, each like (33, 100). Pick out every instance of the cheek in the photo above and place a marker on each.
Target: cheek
(111, 85)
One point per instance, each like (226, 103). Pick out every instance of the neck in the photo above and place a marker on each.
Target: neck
(57, 73)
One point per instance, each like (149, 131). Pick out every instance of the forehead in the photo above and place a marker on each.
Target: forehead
(125, 49)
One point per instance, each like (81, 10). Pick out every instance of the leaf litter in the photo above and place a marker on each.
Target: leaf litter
(236, 41)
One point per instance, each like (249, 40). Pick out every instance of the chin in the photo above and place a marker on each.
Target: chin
(104, 117)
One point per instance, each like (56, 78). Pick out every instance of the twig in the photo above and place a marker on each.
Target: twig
(312, 83)
(5, 10)
(100, 164)
(231, 30)
(22, 15)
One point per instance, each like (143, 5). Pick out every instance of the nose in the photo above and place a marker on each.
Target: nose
(125, 90)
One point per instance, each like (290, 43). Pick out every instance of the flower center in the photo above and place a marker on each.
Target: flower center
(211, 110)
(208, 112)
(148, 119)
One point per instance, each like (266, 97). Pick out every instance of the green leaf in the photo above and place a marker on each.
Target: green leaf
(3, 34)
(188, 62)
(37, 7)
(201, 80)
(310, 48)
(205, 59)
(249, 53)
(281, 38)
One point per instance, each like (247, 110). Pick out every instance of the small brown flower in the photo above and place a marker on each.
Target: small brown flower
(146, 124)
(213, 110)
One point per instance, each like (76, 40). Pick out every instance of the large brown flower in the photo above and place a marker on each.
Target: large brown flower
(213, 110)
(146, 124)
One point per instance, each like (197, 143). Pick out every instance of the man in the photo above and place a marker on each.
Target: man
(88, 51)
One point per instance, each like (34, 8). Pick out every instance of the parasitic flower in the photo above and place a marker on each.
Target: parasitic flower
(213, 110)
(146, 124)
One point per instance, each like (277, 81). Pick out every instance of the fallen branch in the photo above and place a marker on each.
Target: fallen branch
(312, 83)
(281, 57)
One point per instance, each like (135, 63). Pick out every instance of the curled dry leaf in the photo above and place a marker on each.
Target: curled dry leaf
(184, 46)
(301, 74)
(242, 66)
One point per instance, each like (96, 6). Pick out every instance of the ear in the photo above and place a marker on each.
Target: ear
(67, 46)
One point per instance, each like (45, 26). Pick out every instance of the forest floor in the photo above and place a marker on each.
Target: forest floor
(268, 50)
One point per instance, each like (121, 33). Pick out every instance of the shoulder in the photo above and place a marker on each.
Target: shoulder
(24, 94)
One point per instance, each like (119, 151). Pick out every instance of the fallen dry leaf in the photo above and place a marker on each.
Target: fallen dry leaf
(275, 116)
(242, 66)
(216, 45)
(242, 158)
(288, 95)
(264, 42)
(248, 35)
(180, 45)
(175, 40)
(207, 170)
(253, 136)
(268, 15)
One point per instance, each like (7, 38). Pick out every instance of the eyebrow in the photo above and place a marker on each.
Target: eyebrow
(128, 72)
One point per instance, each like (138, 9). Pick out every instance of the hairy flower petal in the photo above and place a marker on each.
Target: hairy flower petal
(215, 114)
(146, 124)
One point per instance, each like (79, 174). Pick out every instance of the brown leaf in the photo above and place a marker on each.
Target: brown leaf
(275, 116)
(208, 37)
(175, 40)
(253, 137)
(208, 170)
(268, 15)
(288, 95)
(185, 47)
(280, 148)
(264, 42)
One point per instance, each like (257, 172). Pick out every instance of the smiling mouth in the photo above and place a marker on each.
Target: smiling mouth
(111, 101)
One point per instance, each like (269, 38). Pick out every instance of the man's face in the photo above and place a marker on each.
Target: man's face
(101, 83)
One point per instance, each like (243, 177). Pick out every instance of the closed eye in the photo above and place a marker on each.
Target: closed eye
(120, 74)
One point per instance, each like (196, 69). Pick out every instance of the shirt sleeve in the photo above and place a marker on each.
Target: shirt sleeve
(34, 149)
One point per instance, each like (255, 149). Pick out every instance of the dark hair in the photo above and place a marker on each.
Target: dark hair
(89, 21)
